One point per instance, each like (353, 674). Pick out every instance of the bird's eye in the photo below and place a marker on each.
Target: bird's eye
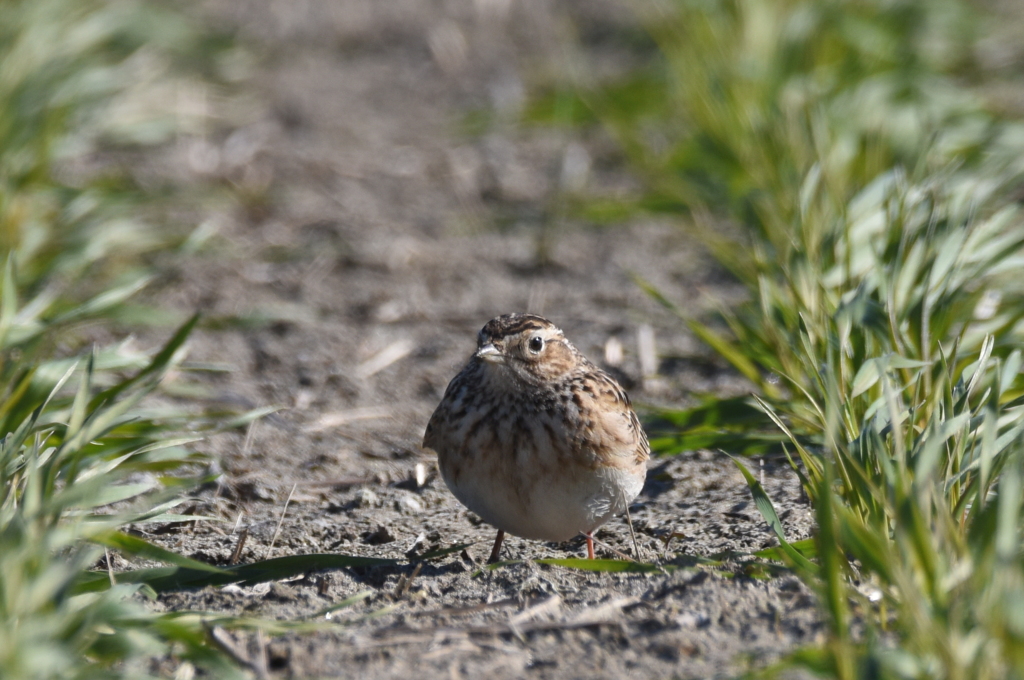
(536, 344)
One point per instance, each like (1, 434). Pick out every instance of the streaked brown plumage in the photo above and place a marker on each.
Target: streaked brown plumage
(536, 439)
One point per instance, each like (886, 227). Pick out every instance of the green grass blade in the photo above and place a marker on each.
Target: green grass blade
(730, 353)
(138, 547)
(606, 566)
(8, 300)
(191, 574)
(159, 362)
(808, 547)
(767, 510)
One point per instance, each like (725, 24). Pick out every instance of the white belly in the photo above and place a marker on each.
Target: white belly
(552, 507)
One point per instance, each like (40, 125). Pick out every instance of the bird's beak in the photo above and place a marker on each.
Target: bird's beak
(490, 353)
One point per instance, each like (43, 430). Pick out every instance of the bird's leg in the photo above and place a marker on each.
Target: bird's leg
(496, 550)
(632, 534)
(590, 544)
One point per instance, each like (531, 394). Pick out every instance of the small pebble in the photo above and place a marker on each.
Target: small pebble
(409, 504)
(692, 620)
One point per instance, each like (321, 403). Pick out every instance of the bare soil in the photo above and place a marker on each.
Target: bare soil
(370, 236)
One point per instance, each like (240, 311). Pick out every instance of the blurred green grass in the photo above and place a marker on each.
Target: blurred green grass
(96, 440)
(81, 454)
(844, 161)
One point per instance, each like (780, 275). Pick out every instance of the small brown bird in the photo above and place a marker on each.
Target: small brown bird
(534, 438)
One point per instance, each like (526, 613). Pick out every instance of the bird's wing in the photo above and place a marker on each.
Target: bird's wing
(612, 427)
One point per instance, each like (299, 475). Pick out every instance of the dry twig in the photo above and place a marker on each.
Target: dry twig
(280, 520)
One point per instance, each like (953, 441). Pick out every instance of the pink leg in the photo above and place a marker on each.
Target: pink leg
(590, 545)
(496, 550)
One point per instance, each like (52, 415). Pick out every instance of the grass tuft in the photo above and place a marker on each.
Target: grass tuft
(82, 452)
(849, 149)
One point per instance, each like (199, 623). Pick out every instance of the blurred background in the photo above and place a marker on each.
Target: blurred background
(713, 198)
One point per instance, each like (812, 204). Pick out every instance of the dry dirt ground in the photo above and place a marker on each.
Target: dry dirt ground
(371, 237)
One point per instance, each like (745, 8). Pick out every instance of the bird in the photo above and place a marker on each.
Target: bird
(536, 439)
